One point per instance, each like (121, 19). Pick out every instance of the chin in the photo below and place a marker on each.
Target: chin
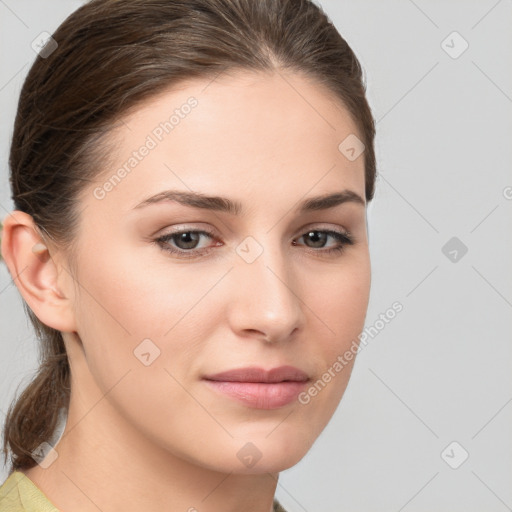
(272, 454)
(280, 462)
(258, 453)
(269, 463)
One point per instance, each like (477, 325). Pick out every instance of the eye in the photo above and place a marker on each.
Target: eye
(318, 238)
(186, 241)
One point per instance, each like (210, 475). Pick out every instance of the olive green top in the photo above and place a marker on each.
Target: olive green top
(19, 494)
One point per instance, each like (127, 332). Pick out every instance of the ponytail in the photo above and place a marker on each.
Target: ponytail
(33, 417)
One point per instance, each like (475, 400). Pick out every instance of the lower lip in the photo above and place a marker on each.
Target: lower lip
(260, 395)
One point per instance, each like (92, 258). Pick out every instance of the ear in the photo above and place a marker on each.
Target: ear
(46, 287)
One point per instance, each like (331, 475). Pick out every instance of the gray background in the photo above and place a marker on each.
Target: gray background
(440, 371)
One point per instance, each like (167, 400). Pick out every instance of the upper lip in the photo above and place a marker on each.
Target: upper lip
(256, 374)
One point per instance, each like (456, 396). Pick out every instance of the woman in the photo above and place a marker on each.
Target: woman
(190, 181)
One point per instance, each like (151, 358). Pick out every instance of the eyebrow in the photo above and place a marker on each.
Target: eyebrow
(223, 204)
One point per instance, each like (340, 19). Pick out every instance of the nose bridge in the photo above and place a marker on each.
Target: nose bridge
(267, 299)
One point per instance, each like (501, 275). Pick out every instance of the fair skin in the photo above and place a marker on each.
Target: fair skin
(157, 437)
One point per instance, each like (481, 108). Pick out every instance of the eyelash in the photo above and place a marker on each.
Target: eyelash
(343, 237)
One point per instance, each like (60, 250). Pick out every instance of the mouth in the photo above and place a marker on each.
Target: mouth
(259, 388)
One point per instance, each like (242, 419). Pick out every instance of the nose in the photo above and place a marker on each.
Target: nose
(265, 302)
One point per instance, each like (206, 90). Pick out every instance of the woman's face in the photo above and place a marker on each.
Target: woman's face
(262, 284)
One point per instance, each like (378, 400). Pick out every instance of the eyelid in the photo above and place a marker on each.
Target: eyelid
(322, 226)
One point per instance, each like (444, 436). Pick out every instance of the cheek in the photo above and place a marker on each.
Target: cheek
(124, 302)
(131, 293)
(340, 301)
(138, 336)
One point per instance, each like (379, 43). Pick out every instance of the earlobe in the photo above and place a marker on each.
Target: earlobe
(35, 272)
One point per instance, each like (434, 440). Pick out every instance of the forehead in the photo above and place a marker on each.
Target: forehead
(247, 135)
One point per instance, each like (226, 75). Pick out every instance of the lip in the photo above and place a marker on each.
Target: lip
(260, 388)
(256, 374)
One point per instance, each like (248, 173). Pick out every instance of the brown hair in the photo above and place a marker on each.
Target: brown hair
(111, 56)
